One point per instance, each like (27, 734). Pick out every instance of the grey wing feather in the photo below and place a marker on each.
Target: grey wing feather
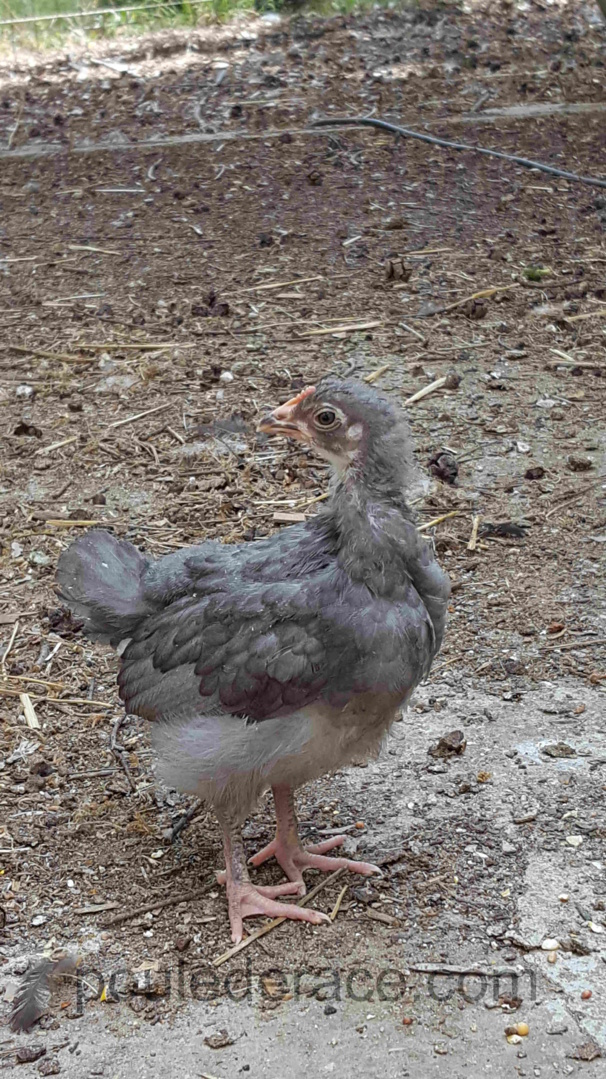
(33, 995)
(266, 651)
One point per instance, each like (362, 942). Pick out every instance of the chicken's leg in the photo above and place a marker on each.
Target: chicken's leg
(246, 899)
(287, 850)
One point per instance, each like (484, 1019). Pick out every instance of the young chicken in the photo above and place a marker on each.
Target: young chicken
(271, 663)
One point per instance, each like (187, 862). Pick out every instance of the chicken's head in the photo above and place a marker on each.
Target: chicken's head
(342, 420)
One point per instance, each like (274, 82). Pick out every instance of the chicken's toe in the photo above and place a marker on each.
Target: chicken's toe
(294, 859)
(247, 901)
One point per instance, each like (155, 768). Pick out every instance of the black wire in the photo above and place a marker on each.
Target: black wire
(366, 121)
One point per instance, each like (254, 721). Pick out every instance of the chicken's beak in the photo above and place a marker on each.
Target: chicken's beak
(283, 420)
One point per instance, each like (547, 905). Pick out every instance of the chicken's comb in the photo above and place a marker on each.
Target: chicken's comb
(300, 397)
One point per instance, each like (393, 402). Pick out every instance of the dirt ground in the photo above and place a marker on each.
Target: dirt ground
(178, 250)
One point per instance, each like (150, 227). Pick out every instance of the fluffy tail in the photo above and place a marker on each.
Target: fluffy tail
(100, 579)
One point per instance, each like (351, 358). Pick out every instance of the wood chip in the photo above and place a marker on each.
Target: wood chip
(8, 619)
(374, 375)
(378, 916)
(289, 518)
(96, 908)
(473, 539)
(30, 712)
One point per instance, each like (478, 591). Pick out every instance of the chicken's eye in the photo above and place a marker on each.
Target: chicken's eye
(326, 418)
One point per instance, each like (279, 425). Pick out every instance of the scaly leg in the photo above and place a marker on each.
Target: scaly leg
(245, 900)
(287, 850)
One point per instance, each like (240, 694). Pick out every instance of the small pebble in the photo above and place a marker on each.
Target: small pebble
(407, 1021)
(586, 994)
(550, 944)
(552, 957)
(514, 1039)
(577, 463)
(522, 1029)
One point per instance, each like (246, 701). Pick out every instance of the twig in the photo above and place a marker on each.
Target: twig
(374, 375)
(64, 357)
(119, 752)
(91, 775)
(4, 692)
(7, 650)
(427, 251)
(15, 129)
(580, 364)
(139, 416)
(143, 346)
(38, 681)
(436, 385)
(568, 500)
(415, 333)
(312, 501)
(62, 489)
(438, 520)
(569, 361)
(275, 921)
(483, 294)
(55, 446)
(185, 819)
(61, 300)
(176, 435)
(275, 284)
(571, 645)
(598, 313)
(367, 121)
(49, 659)
(159, 904)
(60, 522)
(337, 906)
(348, 328)
(94, 250)
(473, 539)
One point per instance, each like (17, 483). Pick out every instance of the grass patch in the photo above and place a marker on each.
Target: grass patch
(108, 18)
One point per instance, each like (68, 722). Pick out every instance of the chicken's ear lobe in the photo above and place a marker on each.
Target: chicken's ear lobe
(355, 432)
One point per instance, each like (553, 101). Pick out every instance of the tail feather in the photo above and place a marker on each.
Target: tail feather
(100, 579)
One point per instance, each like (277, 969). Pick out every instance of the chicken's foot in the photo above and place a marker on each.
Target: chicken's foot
(287, 850)
(245, 900)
